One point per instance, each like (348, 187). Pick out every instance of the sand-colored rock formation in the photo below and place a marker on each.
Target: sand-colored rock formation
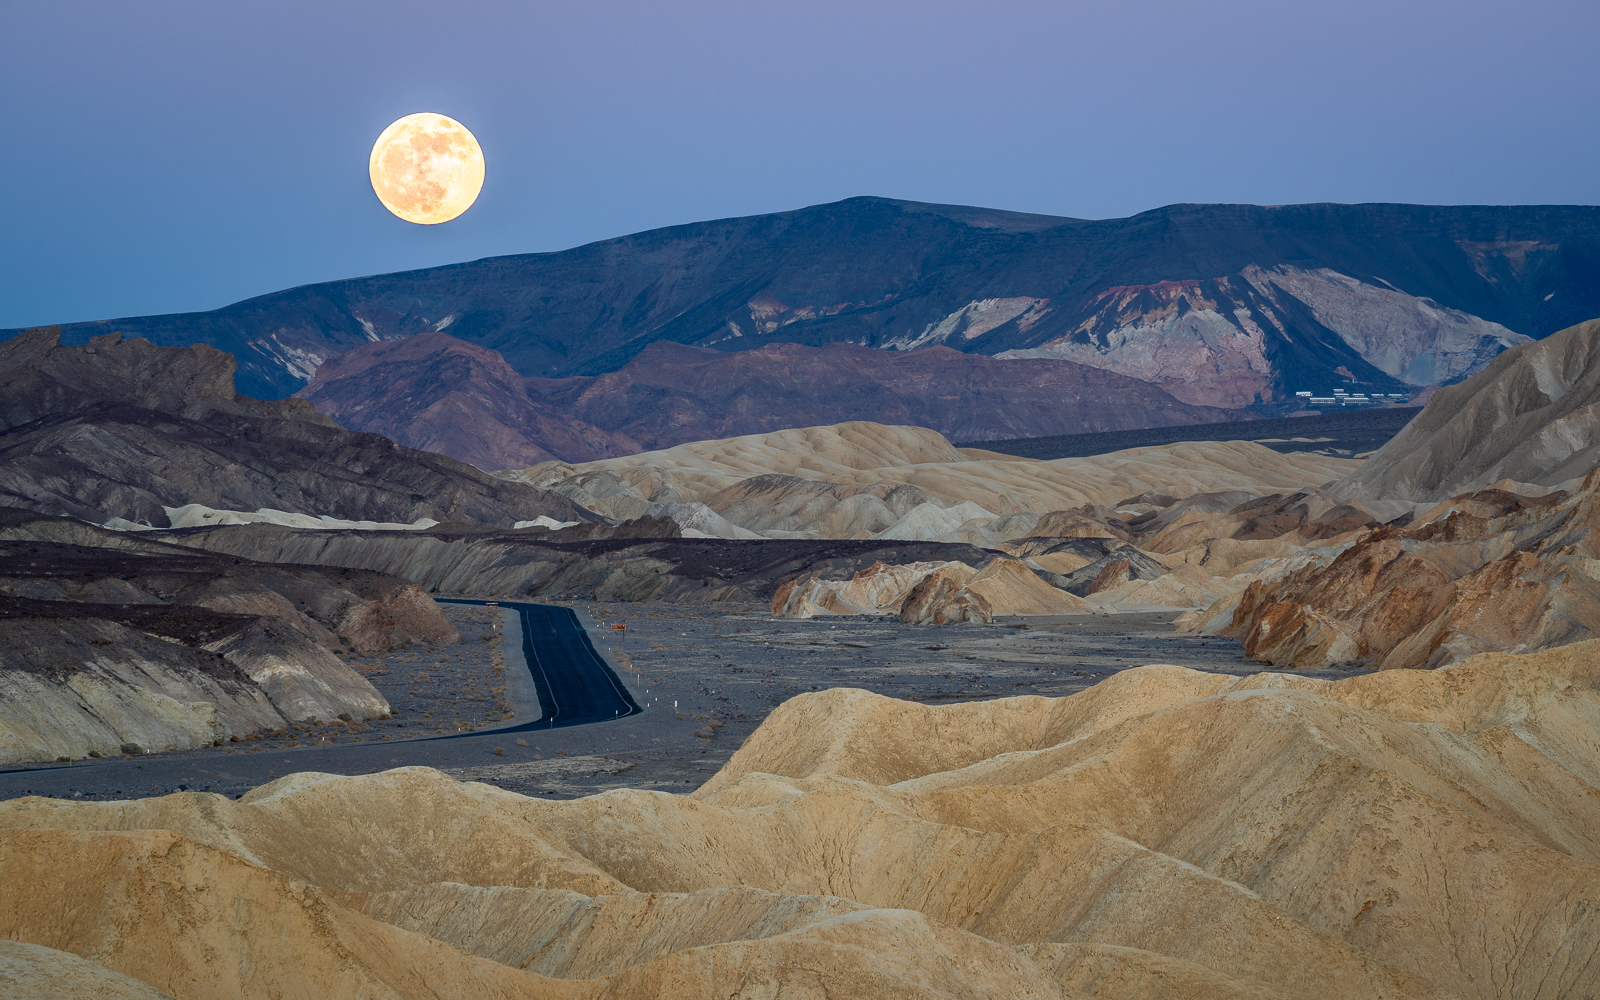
(938, 592)
(1484, 571)
(858, 480)
(303, 682)
(876, 455)
(1532, 417)
(1164, 834)
(29, 972)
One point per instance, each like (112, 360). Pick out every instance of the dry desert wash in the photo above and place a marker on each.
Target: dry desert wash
(1167, 833)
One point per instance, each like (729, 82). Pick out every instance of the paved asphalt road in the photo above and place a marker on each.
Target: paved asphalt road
(575, 684)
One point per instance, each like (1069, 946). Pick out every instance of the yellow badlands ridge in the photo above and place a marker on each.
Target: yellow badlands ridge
(1165, 834)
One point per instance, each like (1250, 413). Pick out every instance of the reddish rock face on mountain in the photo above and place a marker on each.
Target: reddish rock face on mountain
(439, 393)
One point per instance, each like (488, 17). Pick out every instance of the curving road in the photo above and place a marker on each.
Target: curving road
(576, 686)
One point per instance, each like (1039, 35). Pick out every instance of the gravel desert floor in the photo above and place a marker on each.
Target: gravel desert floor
(707, 676)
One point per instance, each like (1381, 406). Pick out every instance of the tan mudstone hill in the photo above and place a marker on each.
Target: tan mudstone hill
(1165, 834)
(1532, 417)
(860, 479)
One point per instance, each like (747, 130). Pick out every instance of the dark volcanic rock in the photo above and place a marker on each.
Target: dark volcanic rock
(1257, 300)
(59, 560)
(576, 562)
(442, 394)
(125, 429)
(181, 624)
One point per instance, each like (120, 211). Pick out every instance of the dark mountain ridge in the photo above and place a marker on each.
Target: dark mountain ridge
(124, 428)
(1263, 301)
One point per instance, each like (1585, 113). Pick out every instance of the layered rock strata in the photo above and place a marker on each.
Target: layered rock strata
(1484, 571)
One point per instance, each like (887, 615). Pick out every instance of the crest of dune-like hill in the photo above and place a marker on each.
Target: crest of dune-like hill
(1165, 834)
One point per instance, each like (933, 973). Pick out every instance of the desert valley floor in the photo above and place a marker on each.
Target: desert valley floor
(726, 668)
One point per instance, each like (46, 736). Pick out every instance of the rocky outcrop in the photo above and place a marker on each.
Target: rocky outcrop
(1165, 833)
(1489, 571)
(442, 394)
(73, 685)
(163, 676)
(125, 429)
(941, 599)
(393, 617)
(1248, 301)
(1532, 417)
(939, 593)
(879, 589)
(304, 683)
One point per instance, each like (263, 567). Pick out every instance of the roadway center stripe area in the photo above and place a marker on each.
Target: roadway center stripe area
(576, 685)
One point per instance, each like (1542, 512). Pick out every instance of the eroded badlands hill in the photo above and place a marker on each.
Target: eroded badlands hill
(816, 480)
(1165, 834)
(112, 640)
(1531, 418)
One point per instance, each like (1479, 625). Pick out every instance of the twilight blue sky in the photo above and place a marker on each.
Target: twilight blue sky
(172, 156)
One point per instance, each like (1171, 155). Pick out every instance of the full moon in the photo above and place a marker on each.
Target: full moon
(426, 168)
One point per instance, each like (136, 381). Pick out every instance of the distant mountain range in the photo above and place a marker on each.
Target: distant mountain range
(438, 393)
(1219, 305)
